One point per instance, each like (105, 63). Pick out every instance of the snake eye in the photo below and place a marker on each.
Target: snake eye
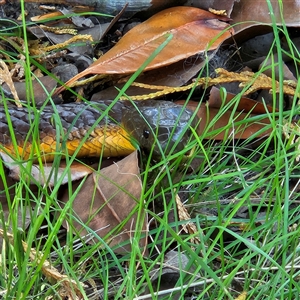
(146, 133)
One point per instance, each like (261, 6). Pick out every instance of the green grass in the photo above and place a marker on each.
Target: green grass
(257, 252)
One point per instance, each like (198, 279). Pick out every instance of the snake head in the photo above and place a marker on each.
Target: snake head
(159, 126)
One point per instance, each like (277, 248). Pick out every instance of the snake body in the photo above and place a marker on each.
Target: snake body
(104, 128)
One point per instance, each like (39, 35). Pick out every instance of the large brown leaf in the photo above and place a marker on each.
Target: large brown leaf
(250, 13)
(247, 13)
(244, 104)
(110, 211)
(176, 74)
(223, 127)
(193, 31)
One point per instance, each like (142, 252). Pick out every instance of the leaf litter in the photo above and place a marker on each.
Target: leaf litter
(111, 63)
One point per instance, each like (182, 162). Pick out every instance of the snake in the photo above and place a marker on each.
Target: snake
(99, 128)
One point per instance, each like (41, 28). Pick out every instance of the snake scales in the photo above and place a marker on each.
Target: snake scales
(104, 128)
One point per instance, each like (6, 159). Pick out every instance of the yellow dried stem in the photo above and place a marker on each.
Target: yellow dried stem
(291, 83)
(248, 79)
(257, 82)
(48, 270)
(6, 77)
(59, 30)
(218, 12)
(150, 86)
(88, 80)
(18, 70)
(74, 39)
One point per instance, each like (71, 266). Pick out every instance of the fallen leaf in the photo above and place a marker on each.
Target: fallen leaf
(266, 65)
(208, 115)
(188, 227)
(111, 210)
(193, 31)
(244, 104)
(176, 74)
(48, 175)
(251, 13)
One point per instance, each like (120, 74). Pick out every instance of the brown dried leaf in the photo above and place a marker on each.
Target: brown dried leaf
(46, 17)
(173, 75)
(245, 104)
(111, 212)
(242, 131)
(46, 175)
(270, 71)
(251, 13)
(183, 215)
(193, 30)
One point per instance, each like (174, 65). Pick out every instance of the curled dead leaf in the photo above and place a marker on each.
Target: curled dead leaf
(193, 31)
